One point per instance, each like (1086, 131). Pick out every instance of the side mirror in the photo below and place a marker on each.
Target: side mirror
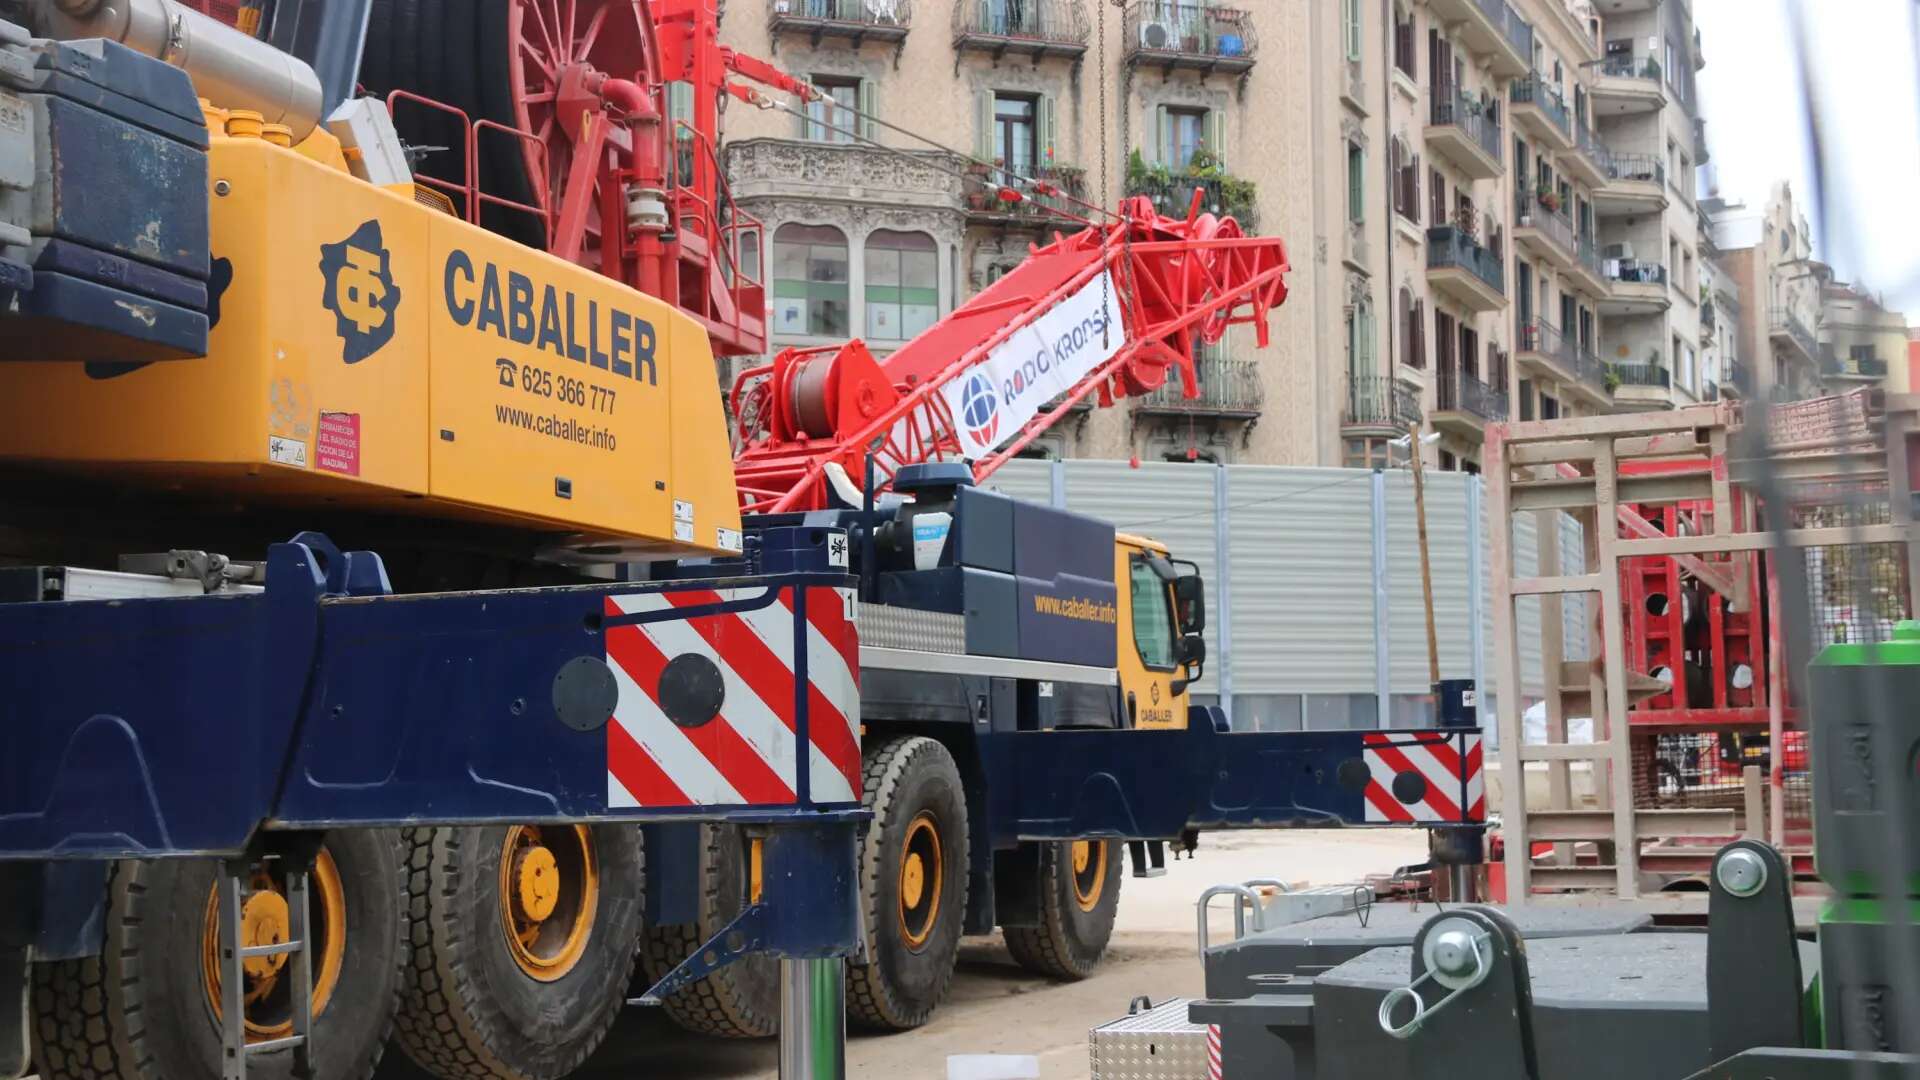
(1193, 650)
(1190, 602)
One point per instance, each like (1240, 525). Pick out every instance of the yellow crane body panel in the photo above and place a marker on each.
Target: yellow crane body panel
(372, 351)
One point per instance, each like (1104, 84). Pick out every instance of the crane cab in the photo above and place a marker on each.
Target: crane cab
(1159, 652)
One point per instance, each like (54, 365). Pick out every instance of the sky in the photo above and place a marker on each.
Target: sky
(1865, 88)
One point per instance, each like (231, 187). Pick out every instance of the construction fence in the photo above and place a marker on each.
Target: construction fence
(1315, 613)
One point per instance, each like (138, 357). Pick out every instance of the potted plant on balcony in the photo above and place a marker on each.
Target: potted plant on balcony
(1549, 199)
(1612, 378)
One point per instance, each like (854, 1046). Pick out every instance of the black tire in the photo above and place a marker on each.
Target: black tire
(902, 981)
(1077, 907)
(741, 1000)
(141, 1009)
(468, 1011)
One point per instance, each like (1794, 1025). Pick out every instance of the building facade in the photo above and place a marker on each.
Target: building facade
(1768, 252)
(1488, 205)
(1861, 342)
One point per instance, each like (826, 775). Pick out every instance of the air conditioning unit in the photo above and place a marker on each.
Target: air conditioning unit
(1623, 252)
(1157, 35)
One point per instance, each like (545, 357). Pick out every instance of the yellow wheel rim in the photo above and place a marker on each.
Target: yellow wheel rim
(549, 894)
(1089, 872)
(922, 873)
(265, 919)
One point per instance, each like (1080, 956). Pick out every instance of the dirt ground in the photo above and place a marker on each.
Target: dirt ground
(997, 1008)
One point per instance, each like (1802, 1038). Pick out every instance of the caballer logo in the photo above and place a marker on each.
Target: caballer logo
(359, 291)
(980, 409)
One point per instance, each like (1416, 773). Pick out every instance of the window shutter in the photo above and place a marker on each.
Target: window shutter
(983, 125)
(1367, 338)
(1049, 130)
(806, 130)
(869, 92)
(1353, 29)
(1217, 135)
(1420, 333)
(1162, 143)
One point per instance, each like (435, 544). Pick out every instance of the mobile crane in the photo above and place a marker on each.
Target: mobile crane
(492, 368)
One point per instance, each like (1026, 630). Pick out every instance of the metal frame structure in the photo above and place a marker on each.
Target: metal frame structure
(1599, 469)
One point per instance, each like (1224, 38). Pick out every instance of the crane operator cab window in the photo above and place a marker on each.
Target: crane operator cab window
(1152, 616)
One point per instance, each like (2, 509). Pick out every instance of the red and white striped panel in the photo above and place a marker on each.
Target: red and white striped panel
(1436, 757)
(749, 753)
(1213, 1052)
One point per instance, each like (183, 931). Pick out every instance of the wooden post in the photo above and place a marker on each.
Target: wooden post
(1426, 565)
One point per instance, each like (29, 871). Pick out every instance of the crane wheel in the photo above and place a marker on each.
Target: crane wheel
(521, 939)
(741, 1000)
(1080, 893)
(913, 880)
(147, 1007)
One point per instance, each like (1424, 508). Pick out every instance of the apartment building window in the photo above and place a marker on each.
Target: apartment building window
(1497, 368)
(1549, 407)
(1444, 340)
(1689, 366)
(1413, 330)
(1469, 350)
(1375, 452)
(1406, 179)
(1183, 131)
(1356, 182)
(903, 284)
(810, 280)
(1362, 339)
(1350, 22)
(1440, 66)
(1673, 259)
(1015, 119)
(1526, 399)
(1403, 43)
(1436, 198)
(831, 118)
(1448, 462)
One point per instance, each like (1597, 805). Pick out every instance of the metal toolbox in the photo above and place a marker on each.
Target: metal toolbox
(1151, 1042)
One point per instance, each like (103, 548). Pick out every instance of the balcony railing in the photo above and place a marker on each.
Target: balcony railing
(1591, 146)
(1517, 31)
(1460, 110)
(1643, 374)
(1448, 247)
(1783, 321)
(1228, 387)
(1531, 213)
(1220, 195)
(1833, 365)
(1532, 90)
(1629, 67)
(882, 20)
(1216, 37)
(1012, 24)
(1457, 391)
(1590, 260)
(1381, 401)
(1541, 336)
(984, 203)
(1646, 168)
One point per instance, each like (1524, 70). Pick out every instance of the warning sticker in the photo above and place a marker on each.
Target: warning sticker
(285, 451)
(336, 447)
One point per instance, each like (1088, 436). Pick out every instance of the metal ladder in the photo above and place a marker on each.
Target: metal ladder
(234, 1047)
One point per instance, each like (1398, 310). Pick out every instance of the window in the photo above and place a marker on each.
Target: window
(1014, 127)
(810, 280)
(1689, 375)
(1403, 43)
(903, 284)
(1361, 339)
(1356, 183)
(1182, 131)
(1861, 352)
(1448, 463)
(1350, 21)
(1152, 616)
(1374, 452)
(1469, 350)
(1406, 180)
(1549, 408)
(1413, 330)
(1526, 399)
(831, 119)
(679, 113)
(1436, 198)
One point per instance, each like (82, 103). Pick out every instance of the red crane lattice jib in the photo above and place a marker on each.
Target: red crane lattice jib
(1173, 281)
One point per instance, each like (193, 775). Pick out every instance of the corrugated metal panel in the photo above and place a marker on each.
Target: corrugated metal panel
(1579, 606)
(1171, 503)
(1027, 479)
(1448, 548)
(1302, 569)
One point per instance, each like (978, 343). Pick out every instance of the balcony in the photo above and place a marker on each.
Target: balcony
(1634, 288)
(1220, 195)
(1540, 227)
(1463, 405)
(1548, 354)
(1629, 86)
(1229, 390)
(1588, 162)
(1468, 273)
(1540, 109)
(852, 21)
(764, 171)
(1636, 185)
(1589, 270)
(1380, 404)
(1786, 330)
(1642, 385)
(1851, 368)
(1193, 36)
(1491, 28)
(1737, 381)
(1460, 130)
(985, 207)
(1033, 28)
